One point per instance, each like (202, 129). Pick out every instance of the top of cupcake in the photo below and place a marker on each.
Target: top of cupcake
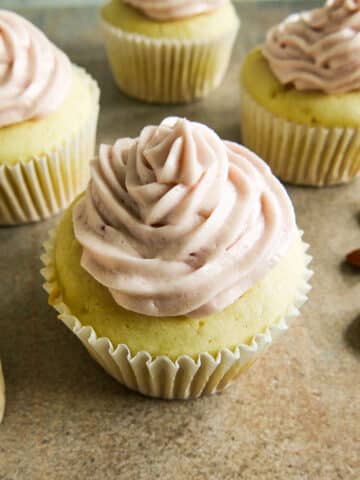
(180, 222)
(174, 9)
(35, 76)
(318, 49)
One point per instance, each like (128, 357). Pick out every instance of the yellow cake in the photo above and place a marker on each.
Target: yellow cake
(196, 28)
(169, 60)
(48, 118)
(180, 263)
(264, 305)
(313, 108)
(302, 114)
(23, 141)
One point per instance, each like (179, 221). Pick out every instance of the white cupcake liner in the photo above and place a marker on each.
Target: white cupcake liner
(162, 377)
(166, 70)
(36, 189)
(2, 394)
(299, 153)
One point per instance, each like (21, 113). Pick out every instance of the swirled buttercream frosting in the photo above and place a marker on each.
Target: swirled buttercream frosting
(318, 49)
(174, 9)
(35, 76)
(180, 222)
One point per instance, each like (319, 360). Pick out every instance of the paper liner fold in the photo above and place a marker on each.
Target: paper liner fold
(163, 377)
(36, 189)
(2, 394)
(166, 70)
(299, 153)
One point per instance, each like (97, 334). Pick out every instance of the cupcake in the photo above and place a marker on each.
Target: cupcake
(168, 51)
(48, 116)
(180, 263)
(302, 114)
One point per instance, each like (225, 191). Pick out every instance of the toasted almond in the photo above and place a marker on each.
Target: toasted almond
(353, 258)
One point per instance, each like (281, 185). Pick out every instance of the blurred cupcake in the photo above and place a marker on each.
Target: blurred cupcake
(48, 116)
(169, 52)
(302, 114)
(180, 263)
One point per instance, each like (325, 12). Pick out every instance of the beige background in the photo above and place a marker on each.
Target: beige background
(293, 416)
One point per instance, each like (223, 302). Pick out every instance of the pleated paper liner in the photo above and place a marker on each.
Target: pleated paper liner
(2, 394)
(299, 153)
(43, 186)
(166, 70)
(162, 377)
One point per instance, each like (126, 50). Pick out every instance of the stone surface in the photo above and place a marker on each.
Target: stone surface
(2, 394)
(293, 416)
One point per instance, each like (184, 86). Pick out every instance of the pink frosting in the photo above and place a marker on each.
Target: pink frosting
(35, 76)
(318, 49)
(179, 222)
(175, 9)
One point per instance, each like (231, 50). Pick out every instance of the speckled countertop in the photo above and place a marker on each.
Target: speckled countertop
(294, 416)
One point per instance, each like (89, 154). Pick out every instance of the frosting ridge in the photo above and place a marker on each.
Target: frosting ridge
(179, 222)
(318, 49)
(35, 76)
(174, 9)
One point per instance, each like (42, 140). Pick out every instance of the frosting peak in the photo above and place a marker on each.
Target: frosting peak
(318, 49)
(35, 76)
(179, 222)
(174, 9)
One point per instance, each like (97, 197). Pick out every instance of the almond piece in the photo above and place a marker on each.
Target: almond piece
(353, 258)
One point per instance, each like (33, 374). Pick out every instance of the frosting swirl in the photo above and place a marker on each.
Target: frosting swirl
(318, 49)
(35, 76)
(174, 9)
(179, 222)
